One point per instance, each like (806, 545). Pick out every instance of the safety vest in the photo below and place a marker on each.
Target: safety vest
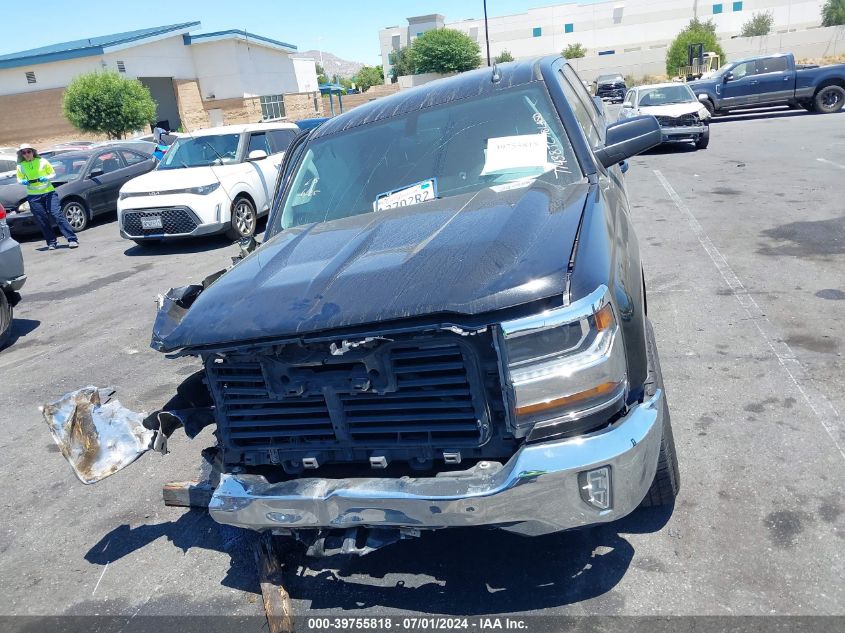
(34, 169)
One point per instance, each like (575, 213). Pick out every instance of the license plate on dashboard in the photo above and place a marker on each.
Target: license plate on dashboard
(152, 222)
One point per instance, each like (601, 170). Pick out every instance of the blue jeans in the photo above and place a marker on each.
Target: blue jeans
(44, 207)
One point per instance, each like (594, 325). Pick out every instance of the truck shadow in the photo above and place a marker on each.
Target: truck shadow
(478, 572)
(195, 528)
(452, 572)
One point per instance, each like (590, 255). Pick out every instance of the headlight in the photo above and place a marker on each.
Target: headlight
(564, 366)
(199, 191)
(23, 207)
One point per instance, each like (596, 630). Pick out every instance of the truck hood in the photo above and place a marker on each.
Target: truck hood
(675, 109)
(461, 255)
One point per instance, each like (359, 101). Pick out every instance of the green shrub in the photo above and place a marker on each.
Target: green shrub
(574, 51)
(106, 103)
(445, 51)
(696, 32)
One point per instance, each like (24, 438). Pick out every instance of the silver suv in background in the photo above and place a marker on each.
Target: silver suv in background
(12, 278)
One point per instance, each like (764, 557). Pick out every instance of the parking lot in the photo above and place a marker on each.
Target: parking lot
(744, 253)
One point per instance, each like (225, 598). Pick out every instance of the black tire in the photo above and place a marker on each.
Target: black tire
(709, 105)
(5, 320)
(667, 479)
(829, 99)
(244, 219)
(809, 106)
(76, 214)
(704, 140)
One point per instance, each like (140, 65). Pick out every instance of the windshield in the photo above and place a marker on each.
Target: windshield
(665, 95)
(460, 147)
(201, 151)
(68, 166)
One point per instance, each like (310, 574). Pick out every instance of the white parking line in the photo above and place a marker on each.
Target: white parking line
(830, 162)
(822, 408)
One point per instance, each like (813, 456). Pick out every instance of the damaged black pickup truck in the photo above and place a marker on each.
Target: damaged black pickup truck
(445, 325)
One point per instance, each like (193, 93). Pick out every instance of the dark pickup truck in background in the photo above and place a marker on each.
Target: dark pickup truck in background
(610, 88)
(446, 326)
(772, 80)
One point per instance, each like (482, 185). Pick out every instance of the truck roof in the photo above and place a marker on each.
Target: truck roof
(469, 84)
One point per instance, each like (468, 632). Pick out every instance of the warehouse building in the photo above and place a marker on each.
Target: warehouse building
(605, 29)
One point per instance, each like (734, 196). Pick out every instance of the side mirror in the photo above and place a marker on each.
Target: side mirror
(703, 98)
(96, 173)
(257, 154)
(627, 104)
(728, 77)
(628, 138)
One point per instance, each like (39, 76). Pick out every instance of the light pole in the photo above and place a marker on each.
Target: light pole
(486, 34)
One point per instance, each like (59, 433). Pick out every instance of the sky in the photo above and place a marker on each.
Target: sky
(345, 28)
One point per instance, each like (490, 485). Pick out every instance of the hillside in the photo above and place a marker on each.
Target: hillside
(332, 64)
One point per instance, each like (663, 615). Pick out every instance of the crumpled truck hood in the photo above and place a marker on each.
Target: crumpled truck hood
(465, 255)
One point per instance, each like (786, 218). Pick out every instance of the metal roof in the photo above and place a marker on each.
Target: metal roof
(92, 46)
(238, 34)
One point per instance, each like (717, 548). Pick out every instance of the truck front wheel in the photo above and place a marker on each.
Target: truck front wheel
(829, 99)
(667, 479)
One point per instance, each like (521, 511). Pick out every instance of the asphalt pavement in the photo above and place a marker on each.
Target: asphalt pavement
(744, 252)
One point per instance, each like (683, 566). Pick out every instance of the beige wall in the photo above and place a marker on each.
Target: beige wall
(36, 118)
(351, 101)
(300, 105)
(194, 109)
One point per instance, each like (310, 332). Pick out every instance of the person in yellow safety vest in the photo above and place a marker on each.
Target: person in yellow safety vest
(36, 172)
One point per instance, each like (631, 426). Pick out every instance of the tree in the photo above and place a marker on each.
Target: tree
(574, 51)
(402, 63)
(759, 24)
(833, 13)
(445, 51)
(322, 78)
(107, 103)
(504, 56)
(369, 76)
(696, 32)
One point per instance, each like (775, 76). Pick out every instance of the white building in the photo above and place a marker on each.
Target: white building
(197, 80)
(604, 28)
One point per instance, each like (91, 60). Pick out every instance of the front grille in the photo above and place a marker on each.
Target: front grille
(686, 120)
(436, 400)
(174, 221)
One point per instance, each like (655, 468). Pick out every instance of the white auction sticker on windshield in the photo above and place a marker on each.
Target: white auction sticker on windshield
(406, 196)
(508, 153)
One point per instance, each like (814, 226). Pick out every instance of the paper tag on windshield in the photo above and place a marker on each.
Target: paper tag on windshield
(508, 153)
(406, 196)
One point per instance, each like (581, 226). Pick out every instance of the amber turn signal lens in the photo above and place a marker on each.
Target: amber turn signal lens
(575, 398)
(604, 318)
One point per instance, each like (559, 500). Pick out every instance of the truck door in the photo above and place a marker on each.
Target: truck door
(740, 86)
(775, 80)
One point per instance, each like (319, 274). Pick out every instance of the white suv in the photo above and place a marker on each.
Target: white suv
(219, 180)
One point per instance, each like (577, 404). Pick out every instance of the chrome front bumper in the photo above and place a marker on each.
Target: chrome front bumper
(535, 492)
(681, 132)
